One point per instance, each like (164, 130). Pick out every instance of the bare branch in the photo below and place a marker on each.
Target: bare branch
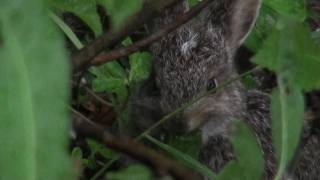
(118, 53)
(150, 9)
(161, 164)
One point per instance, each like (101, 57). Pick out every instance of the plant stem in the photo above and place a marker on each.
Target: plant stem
(284, 126)
(67, 30)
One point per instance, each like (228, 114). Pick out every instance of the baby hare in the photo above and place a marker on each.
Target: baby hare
(197, 57)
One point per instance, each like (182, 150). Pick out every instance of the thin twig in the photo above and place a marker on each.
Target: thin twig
(93, 94)
(97, 97)
(83, 117)
(122, 52)
(150, 9)
(161, 164)
(183, 107)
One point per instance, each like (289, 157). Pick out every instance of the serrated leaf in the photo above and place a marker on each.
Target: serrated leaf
(133, 172)
(292, 49)
(34, 94)
(184, 158)
(111, 77)
(287, 110)
(140, 66)
(250, 162)
(84, 9)
(115, 69)
(119, 10)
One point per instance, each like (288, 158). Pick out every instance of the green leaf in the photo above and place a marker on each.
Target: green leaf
(140, 66)
(264, 26)
(34, 93)
(249, 82)
(115, 69)
(67, 30)
(192, 2)
(294, 9)
(111, 77)
(96, 147)
(109, 70)
(189, 143)
(77, 153)
(186, 159)
(127, 41)
(84, 9)
(120, 10)
(133, 172)
(287, 110)
(292, 49)
(250, 162)
(111, 85)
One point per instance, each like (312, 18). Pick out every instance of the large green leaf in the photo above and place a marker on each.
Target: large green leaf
(84, 9)
(291, 49)
(33, 94)
(133, 172)
(250, 162)
(119, 10)
(263, 28)
(291, 8)
(287, 120)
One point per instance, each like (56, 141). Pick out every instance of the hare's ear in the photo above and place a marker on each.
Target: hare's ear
(243, 15)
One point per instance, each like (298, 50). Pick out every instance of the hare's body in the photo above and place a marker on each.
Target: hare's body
(196, 57)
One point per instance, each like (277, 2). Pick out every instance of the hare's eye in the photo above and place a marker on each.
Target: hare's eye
(212, 83)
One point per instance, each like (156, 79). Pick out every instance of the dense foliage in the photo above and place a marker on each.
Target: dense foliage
(34, 91)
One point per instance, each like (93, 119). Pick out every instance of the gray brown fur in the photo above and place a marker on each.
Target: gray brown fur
(186, 60)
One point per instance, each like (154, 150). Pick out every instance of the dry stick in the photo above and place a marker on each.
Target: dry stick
(177, 111)
(162, 165)
(122, 52)
(150, 9)
(97, 97)
(83, 117)
(93, 94)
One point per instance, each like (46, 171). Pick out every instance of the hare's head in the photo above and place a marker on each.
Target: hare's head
(198, 57)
